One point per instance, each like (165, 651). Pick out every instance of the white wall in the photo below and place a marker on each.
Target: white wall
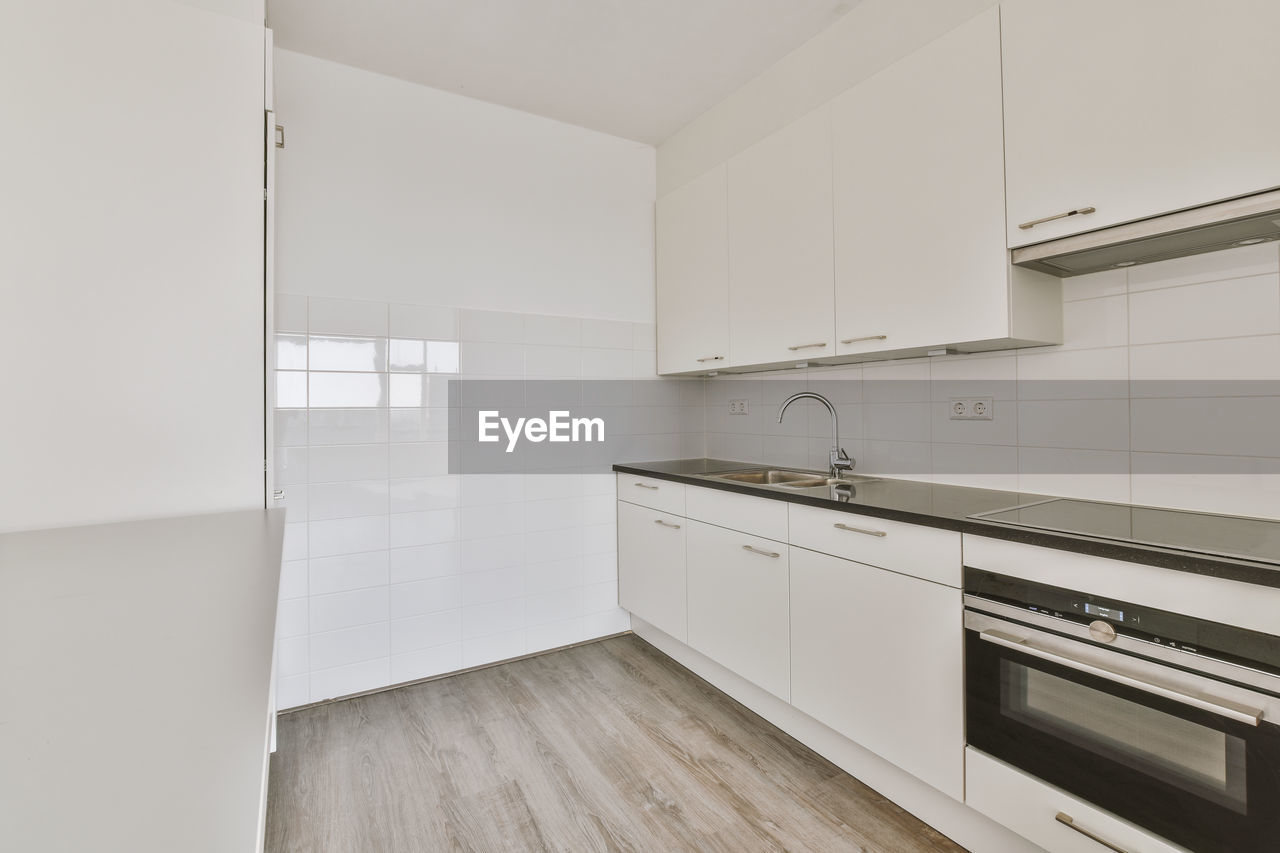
(131, 316)
(396, 192)
(872, 36)
(519, 245)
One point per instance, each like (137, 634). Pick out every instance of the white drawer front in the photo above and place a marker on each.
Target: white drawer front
(758, 516)
(923, 552)
(1029, 807)
(652, 492)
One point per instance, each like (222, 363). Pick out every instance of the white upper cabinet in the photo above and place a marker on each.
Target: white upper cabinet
(919, 203)
(693, 276)
(1135, 108)
(780, 246)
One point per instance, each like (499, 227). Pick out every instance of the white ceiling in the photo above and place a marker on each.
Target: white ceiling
(639, 69)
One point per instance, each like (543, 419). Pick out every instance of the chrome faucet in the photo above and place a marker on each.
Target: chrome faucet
(840, 461)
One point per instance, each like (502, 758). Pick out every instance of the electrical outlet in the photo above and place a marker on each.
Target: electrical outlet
(737, 407)
(972, 408)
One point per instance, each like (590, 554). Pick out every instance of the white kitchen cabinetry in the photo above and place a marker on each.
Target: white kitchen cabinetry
(693, 276)
(738, 604)
(920, 258)
(1135, 108)
(780, 246)
(878, 656)
(651, 567)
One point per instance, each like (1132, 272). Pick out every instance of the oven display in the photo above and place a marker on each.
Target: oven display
(1104, 612)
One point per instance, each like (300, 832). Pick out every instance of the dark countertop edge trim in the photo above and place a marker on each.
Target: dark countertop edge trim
(1226, 568)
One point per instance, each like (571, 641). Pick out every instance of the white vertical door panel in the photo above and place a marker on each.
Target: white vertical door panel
(780, 246)
(131, 261)
(1136, 108)
(879, 657)
(919, 198)
(693, 276)
(651, 567)
(738, 604)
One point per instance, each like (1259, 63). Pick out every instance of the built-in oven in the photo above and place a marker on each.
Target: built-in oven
(1169, 722)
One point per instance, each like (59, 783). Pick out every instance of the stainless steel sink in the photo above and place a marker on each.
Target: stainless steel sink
(785, 479)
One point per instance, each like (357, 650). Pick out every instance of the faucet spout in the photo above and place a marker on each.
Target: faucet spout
(840, 460)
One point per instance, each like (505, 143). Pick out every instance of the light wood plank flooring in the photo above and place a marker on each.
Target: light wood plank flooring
(610, 746)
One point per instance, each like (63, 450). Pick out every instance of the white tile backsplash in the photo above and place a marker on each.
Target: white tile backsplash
(1220, 309)
(346, 317)
(423, 321)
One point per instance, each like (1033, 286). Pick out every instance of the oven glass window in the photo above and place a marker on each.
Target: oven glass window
(1200, 760)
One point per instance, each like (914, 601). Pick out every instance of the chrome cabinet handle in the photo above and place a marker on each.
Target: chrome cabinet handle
(760, 552)
(1069, 822)
(807, 346)
(646, 486)
(1239, 713)
(1079, 211)
(711, 358)
(879, 533)
(666, 524)
(867, 338)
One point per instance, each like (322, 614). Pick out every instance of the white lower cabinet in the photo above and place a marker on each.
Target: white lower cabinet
(878, 656)
(738, 613)
(1031, 808)
(651, 567)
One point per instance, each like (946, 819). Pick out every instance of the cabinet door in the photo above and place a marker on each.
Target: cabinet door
(693, 276)
(919, 198)
(1135, 108)
(878, 656)
(651, 577)
(738, 604)
(780, 250)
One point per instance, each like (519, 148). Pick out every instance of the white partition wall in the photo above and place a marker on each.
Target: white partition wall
(131, 258)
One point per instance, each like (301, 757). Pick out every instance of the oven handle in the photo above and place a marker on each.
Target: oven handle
(1240, 713)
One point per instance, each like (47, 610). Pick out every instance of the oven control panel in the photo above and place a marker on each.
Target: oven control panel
(1159, 627)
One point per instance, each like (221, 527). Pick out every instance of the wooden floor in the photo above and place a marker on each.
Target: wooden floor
(610, 746)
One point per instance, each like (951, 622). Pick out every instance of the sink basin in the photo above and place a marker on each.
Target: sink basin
(784, 478)
(775, 477)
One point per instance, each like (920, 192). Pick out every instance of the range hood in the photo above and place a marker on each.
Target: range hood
(1238, 222)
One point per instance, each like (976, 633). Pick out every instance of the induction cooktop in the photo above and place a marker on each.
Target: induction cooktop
(1221, 535)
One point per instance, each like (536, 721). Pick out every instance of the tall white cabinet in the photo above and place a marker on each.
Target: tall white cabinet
(693, 266)
(781, 280)
(1135, 108)
(920, 208)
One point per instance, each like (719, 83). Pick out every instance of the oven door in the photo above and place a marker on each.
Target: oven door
(1187, 757)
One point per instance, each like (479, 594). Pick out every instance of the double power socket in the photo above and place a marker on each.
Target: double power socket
(971, 408)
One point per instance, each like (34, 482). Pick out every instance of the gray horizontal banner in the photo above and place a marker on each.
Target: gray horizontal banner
(925, 427)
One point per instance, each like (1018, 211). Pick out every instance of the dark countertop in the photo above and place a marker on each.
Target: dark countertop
(951, 507)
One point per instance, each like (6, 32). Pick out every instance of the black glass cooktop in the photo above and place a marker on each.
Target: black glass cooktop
(1222, 535)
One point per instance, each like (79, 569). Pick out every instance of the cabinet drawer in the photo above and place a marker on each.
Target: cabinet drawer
(651, 567)
(1030, 808)
(738, 604)
(757, 516)
(652, 492)
(924, 552)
